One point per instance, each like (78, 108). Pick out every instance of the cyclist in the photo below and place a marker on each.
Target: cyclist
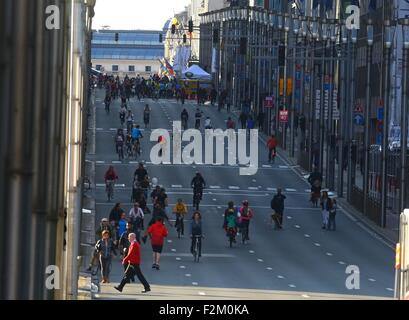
(129, 120)
(246, 214)
(140, 173)
(272, 145)
(184, 117)
(122, 114)
(119, 143)
(198, 116)
(196, 230)
(136, 133)
(180, 210)
(315, 176)
(230, 221)
(230, 123)
(208, 123)
(146, 115)
(198, 184)
(128, 144)
(110, 178)
(107, 102)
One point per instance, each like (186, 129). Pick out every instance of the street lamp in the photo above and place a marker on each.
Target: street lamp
(404, 22)
(287, 22)
(369, 31)
(385, 130)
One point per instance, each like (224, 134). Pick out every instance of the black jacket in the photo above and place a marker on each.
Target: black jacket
(277, 203)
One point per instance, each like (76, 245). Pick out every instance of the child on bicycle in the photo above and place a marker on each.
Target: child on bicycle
(180, 210)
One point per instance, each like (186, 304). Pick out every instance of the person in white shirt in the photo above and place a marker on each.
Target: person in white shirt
(136, 217)
(208, 123)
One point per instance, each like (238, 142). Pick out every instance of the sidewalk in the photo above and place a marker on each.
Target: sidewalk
(389, 235)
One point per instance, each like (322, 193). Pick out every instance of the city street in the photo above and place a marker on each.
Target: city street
(302, 261)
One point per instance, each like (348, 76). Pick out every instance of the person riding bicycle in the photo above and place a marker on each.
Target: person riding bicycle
(272, 147)
(208, 123)
(119, 140)
(230, 123)
(314, 177)
(140, 173)
(136, 133)
(184, 116)
(196, 230)
(230, 221)
(129, 120)
(122, 114)
(146, 115)
(198, 184)
(110, 177)
(198, 116)
(180, 210)
(246, 214)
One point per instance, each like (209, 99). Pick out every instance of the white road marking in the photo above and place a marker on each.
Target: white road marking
(317, 244)
(169, 241)
(202, 293)
(218, 207)
(329, 254)
(214, 199)
(308, 190)
(113, 129)
(291, 285)
(100, 161)
(116, 162)
(100, 185)
(215, 187)
(266, 166)
(253, 188)
(207, 255)
(390, 289)
(254, 180)
(341, 262)
(280, 277)
(194, 283)
(305, 296)
(269, 268)
(272, 189)
(234, 187)
(99, 129)
(290, 190)
(133, 162)
(307, 235)
(289, 217)
(178, 259)
(182, 267)
(188, 275)
(251, 251)
(372, 280)
(177, 186)
(260, 260)
(283, 167)
(173, 250)
(297, 226)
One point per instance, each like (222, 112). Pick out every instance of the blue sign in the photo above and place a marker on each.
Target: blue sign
(359, 119)
(379, 137)
(380, 113)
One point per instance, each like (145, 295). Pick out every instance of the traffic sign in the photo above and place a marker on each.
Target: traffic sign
(269, 102)
(284, 116)
(358, 108)
(380, 113)
(359, 119)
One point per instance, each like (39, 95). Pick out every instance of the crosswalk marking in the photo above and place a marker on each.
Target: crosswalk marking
(253, 188)
(234, 187)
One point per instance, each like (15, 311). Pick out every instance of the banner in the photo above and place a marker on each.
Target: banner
(215, 60)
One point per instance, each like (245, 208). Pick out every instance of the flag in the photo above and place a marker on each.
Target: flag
(169, 68)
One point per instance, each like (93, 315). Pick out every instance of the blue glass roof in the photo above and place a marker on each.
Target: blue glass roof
(129, 37)
(127, 53)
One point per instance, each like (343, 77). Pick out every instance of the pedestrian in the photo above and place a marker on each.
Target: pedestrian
(332, 213)
(157, 232)
(260, 120)
(246, 214)
(243, 119)
(115, 214)
(105, 248)
(132, 262)
(277, 204)
(136, 217)
(122, 225)
(326, 208)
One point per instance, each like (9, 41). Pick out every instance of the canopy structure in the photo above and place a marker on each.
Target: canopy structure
(195, 73)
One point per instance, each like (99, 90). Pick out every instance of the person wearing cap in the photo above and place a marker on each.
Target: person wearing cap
(246, 214)
(105, 226)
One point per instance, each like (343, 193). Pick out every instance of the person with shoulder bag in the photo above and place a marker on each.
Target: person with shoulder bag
(332, 214)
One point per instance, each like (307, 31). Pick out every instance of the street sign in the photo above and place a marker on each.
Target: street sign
(358, 108)
(380, 113)
(269, 102)
(359, 119)
(284, 116)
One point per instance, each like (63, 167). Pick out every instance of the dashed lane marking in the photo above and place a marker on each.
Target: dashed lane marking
(390, 289)
(341, 262)
(260, 260)
(272, 189)
(290, 190)
(280, 277)
(291, 285)
(297, 226)
(182, 267)
(194, 284)
(329, 254)
(307, 235)
(317, 244)
(234, 187)
(305, 296)
(178, 259)
(372, 280)
(251, 251)
(215, 187)
(177, 186)
(100, 161)
(173, 250)
(188, 275)
(269, 268)
(253, 188)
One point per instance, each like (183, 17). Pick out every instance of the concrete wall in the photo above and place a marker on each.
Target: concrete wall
(123, 66)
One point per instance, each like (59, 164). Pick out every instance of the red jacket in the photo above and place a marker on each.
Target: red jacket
(249, 214)
(134, 254)
(158, 233)
(272, 143)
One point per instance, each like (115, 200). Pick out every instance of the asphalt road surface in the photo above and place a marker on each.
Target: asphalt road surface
(300, 262)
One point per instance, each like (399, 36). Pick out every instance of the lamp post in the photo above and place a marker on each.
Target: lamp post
(404, 112)
(296, 28)
(322, 109)
(286, 30)
(387, 47)
(369, 29)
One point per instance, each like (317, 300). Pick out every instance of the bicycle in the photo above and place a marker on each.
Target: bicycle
(197, 197)
(136, 149)
(179, 224)
(120, 152)
(232, 236)
(107, 107)
(244, 230)
(110, 189)
(195, 252)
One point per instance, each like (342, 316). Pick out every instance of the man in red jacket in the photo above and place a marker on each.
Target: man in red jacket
(157, 233)
(133, 260)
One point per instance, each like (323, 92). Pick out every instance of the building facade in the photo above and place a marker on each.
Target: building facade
(135, 52)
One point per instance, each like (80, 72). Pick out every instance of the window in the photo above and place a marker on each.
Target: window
(148, 69)
(98, 67)
(115, 68)
(131, 69)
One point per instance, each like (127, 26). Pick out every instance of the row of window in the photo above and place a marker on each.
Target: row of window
(115, 68)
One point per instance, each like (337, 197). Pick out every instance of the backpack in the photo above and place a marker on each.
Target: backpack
(245, 212)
